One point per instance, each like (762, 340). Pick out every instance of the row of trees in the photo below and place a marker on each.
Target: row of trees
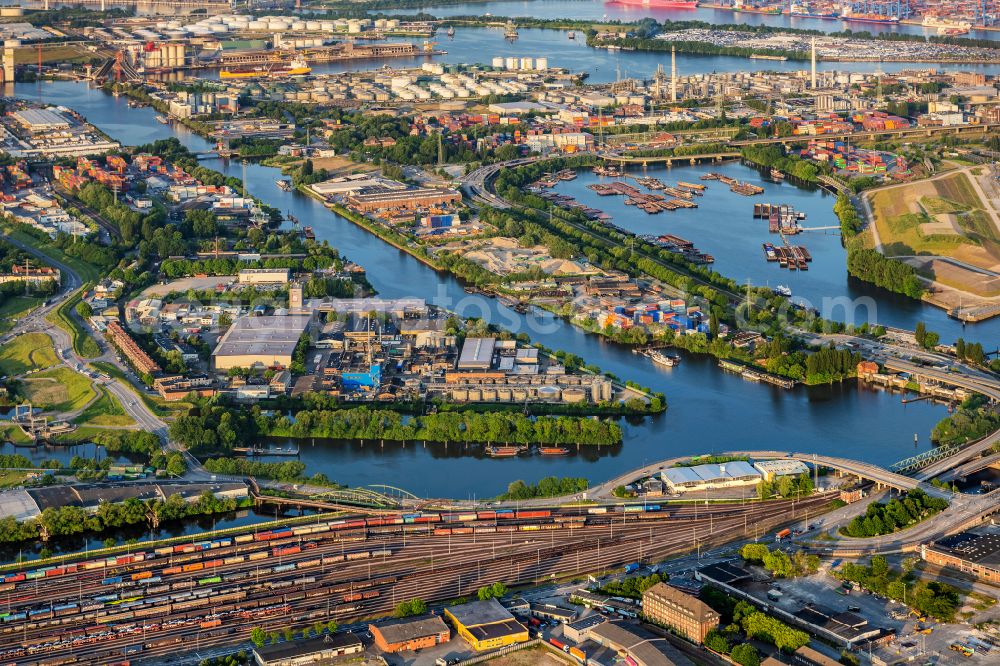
(741, 653)
(490, 427)
(633, 586)
(774, 157)
(550, 486)
(897, 514)
(778, 562)
(872, 266)
(939, 600)
(831, 364)
(69, 520)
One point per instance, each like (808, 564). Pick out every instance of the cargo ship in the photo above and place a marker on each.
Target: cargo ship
(297, 67)
(852, 17)
(660, 4)
(805, 11)
(751, 9)
(946, 26)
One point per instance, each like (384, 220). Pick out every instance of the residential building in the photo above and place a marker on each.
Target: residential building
(139, 359)
(685, 614)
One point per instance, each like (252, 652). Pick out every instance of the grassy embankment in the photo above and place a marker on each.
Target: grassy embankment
(30, 351)
(927, 220)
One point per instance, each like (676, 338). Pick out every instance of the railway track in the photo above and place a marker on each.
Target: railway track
(302, 579)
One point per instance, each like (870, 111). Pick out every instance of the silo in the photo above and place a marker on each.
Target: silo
(497, 62)
(511, 64)
(313, 26)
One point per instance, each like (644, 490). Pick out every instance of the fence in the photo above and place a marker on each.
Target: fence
(486, 656)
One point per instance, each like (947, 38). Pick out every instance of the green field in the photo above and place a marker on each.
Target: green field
(11, 433)
(58, 390)
(15, 308)
(31, 351)
(105, 411)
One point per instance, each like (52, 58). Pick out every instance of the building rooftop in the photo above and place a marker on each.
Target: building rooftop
(693, 606)
(41, 119)
(725, 573)
(477, 352)
(981, 549)
(267, 335)
(407, 629)
(711, 473)
(298, 649)
(645, 648)
(477, 613)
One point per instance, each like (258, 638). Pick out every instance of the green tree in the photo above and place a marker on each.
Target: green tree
(258, 636)
(745, 655)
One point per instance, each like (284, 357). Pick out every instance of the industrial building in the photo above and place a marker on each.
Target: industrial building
(771, 469)
(310, 651)
(732, 474)
(969, 552)
(477, 354)
(486, 624)
(410, 199)
(642, 647)
(267, 341)
(689, 616)
(264, 275)
(410, 633)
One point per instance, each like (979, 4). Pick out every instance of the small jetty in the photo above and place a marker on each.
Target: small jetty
(755, 375)
(569, 203)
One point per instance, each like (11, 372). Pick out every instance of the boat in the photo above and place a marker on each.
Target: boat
(296, 67)
(659, 358)
(765, 56)
(782, 290)
(451, 31)
(853, 17)
(309, 233)
(571, 35)
(800, 10)
(661, 4)
(553, 450)
(777, 175)
(284, 184)
(162, 120)
(946, 26)
(502, 451)
(510, 32)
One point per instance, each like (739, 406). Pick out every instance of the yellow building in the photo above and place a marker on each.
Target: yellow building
(486, 625)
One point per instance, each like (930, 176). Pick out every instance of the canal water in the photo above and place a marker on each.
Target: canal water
(710, 411)
(598, 10)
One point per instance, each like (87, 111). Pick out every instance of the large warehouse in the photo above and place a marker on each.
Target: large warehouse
(977, 554)
(704, 477)
(486, 624)
(260, 341)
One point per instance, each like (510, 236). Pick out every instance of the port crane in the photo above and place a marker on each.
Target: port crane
(898, 8)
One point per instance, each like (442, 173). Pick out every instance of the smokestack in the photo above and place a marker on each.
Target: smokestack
(673, 74)
(814, 63)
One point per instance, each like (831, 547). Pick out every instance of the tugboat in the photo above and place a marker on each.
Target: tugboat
(659, 358)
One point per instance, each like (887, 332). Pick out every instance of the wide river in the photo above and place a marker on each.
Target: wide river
(710, 411)
(599, 10)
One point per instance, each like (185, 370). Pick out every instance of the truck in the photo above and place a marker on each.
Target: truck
(631, 568)
(783, 534)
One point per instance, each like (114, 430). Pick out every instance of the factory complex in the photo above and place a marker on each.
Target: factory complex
(48, 131)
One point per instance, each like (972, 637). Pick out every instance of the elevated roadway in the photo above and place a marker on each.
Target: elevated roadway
(973, 382)
(971, 467)
(875, 134)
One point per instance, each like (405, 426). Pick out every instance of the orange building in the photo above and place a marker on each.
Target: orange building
(410, 633)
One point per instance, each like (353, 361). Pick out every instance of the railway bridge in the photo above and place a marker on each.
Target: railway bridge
(669, 159)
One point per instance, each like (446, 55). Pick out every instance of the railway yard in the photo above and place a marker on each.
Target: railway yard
(164, 600)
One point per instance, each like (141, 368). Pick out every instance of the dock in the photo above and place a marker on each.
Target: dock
(755, 375)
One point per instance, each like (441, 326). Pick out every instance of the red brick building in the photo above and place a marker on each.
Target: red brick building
(410, 634)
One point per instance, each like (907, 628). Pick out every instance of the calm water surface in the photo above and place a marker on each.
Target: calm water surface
(709, 410)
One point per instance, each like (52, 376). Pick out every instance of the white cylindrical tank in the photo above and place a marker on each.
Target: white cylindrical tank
(497, 62)
(510, 63)
(354, 28)
(527, 63)
(541, 63)
(313, 26)
(257, 26)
